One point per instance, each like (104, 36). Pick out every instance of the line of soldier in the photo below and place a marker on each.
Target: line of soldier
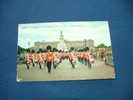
(86, 58)
(54, 58)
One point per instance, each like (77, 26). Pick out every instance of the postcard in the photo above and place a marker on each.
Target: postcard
(57, 51)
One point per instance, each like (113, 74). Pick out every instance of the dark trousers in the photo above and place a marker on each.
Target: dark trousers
(78, 59)
(73, 66)
(54, 65)
(45, 63)
(86, 62)
(89, 64)
(82, 60)
(49, 66)
(32, 63)
(40, 65)
(27, 65)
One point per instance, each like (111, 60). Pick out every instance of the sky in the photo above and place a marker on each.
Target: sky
(95, 30)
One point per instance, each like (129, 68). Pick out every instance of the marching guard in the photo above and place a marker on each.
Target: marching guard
(71, 56)
(49, 58)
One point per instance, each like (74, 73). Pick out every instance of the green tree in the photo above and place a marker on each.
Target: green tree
(109, 46)
(21, 50)
(102, 46)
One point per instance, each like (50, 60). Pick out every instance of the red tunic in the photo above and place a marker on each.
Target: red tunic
(49, 57)
(37, 58)
(43, 56)
(70, 56)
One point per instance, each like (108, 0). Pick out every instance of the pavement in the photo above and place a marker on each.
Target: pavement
(64, 71)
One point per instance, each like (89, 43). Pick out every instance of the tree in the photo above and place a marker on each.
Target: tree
(21, 50)
(109, 46)
(101, 46)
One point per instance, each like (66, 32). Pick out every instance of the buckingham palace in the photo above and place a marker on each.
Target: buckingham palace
(63, 44)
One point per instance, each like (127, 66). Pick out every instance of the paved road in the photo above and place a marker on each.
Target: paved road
(65, 72)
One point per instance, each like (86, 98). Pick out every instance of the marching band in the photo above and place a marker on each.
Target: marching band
(52, 58)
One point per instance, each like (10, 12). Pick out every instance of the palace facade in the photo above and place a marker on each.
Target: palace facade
(55, 44)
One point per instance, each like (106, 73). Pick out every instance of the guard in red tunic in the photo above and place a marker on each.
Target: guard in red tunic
(49, 58)
(82, 58)
(56, 60)
(28, 60)
(37, 60)
(88, 56)
(71, 56)
(43, 57)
